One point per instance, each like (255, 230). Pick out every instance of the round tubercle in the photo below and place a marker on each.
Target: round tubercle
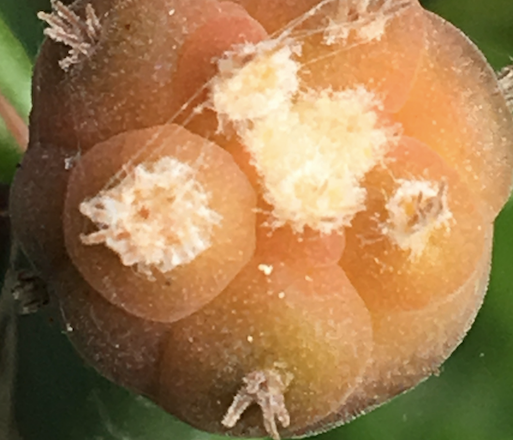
(291, 345)
(422, 235)
(159, 221)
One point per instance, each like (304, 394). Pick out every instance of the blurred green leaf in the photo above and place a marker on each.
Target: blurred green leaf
(20, 16)
(15, 73)
(15, 70)
(488, 23)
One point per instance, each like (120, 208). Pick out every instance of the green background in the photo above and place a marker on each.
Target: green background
(58, 398)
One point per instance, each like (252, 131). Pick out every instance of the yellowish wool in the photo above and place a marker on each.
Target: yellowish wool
(157, 218)
(310, 148)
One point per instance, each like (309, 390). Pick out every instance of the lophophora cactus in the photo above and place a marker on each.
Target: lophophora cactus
(267, 216)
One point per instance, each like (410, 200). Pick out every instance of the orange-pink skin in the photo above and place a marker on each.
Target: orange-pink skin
(309, 248)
